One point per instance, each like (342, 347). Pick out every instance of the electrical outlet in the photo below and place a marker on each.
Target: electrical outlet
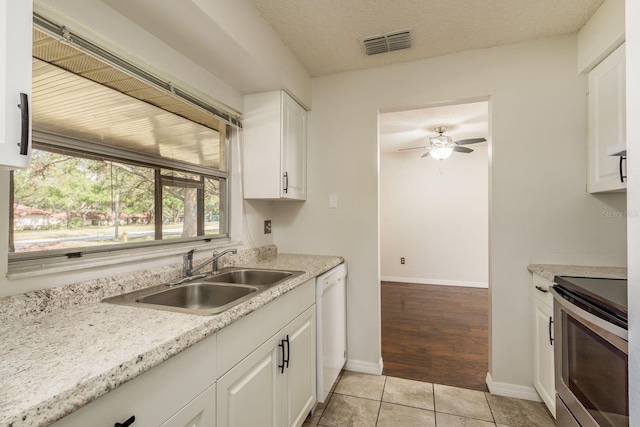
(267, 226)
(402, 260)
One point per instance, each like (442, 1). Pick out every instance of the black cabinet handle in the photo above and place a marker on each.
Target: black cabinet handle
(541, 289)
(286, 182)
(622, 176)
(550, 328)
(281, 345)
(286, 361)
(126, 423)
(24, 114)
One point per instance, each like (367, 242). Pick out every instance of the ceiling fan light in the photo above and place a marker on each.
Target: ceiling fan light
(441, 140)
(441, 153)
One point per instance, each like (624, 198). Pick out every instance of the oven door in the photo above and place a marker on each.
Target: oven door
(591, 361)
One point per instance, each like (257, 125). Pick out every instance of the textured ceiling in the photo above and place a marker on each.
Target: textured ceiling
(409, 129)
(324, 34)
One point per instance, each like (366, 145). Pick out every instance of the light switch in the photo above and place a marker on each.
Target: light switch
(333, 201)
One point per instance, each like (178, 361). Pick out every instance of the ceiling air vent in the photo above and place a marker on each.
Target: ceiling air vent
(388, 42)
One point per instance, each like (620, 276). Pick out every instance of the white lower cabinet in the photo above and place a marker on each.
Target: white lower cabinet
(258, 371)
(249, 394)
(299, 385)
(275, 385)
(544, 371)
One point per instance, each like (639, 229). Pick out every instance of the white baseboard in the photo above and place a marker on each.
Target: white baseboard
(421, 281)
(512, 390)
(364, 367)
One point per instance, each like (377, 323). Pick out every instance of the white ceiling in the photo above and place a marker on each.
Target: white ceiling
(408, 129)
(324, 34)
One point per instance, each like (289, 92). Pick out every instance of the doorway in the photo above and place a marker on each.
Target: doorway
(434, 243)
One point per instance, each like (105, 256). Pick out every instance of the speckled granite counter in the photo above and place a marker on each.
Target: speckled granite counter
(54, 363)
(549, 271)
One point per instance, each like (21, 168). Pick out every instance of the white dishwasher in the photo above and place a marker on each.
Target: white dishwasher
(331, 328)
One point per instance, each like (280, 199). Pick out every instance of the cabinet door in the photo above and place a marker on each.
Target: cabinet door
(543, 375)
(16, 32)
(607, 122)
(200, 412)
(250, 393)
(299, 389)
(294, 149)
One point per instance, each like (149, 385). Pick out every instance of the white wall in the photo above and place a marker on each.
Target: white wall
(538, 203)
(633, 204)
(435, 215)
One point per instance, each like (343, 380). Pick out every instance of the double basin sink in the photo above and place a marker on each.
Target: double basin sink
(208, 295)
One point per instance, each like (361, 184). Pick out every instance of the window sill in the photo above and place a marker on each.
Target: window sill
(29, 269)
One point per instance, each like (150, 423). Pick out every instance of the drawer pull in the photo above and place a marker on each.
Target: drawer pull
(541, 289)
(126, 423)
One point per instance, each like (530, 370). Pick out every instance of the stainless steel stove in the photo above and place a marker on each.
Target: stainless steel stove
(591, 352)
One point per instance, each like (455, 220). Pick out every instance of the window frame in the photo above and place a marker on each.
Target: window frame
(93, 150)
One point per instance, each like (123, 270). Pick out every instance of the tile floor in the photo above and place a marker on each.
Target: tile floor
(361, 400)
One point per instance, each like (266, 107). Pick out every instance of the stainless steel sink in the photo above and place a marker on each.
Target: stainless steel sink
(209, 295)
(251, 277)
(199, 296)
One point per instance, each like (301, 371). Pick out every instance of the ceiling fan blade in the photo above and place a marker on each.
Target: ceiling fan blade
(412, 148)
(462, 149)
(425, 154)
(470, 141)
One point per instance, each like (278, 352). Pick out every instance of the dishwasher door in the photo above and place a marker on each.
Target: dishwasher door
(331, 328)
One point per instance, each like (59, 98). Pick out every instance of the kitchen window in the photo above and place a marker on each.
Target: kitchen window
(71, 202)
(122, 159)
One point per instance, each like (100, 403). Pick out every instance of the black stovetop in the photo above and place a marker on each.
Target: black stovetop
(610, 294)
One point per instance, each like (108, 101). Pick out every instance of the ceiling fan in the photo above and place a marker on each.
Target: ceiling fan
(441, 146)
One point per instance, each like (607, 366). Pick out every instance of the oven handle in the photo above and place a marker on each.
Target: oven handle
(583, 315)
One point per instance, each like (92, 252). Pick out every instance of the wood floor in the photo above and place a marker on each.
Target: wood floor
(437, 334)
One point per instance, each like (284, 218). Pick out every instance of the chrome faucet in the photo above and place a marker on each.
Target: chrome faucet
(188, 268)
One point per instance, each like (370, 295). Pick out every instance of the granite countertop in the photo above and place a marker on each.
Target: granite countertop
(53, 364)
(549, 271)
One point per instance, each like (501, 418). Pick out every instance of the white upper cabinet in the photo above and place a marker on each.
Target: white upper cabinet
(275, 147)
(16, 23)
(607, 124)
